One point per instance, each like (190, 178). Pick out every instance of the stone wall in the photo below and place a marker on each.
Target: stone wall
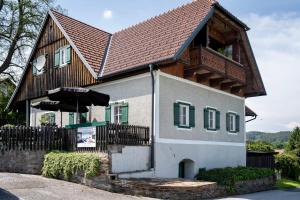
(27, 162)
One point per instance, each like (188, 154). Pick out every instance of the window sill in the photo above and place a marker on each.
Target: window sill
(184, 128)
(212, 130)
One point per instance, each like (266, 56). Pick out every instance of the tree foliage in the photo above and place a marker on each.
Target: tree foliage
(6, 90)
(294, 142)
(260, 146)
(20, 21)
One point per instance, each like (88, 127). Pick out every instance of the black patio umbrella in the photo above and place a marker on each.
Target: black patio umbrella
(78, 97)
(81, 96)
(59, 106)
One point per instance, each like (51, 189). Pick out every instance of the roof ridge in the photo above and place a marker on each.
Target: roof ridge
(163, 13)
(54, 11)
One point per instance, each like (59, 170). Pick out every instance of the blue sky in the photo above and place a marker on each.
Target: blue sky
(274, 35)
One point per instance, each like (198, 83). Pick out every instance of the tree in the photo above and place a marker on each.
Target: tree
(6, 90)
(20, 21)
(294, 142)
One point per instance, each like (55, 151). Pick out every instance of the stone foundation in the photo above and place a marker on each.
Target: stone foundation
(27, 162)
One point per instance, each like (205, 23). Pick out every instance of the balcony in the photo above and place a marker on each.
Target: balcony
(216, 68)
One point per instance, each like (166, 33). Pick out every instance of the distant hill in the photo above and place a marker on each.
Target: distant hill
(278, 139)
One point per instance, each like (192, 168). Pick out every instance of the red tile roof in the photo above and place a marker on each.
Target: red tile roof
(90, 41)
(155, 39)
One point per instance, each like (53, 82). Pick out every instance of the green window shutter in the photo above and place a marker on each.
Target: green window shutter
(192, 116)
(56, 58)
(34, 70)
(176, 114)
(68, 55)
(205, 118)
(227, 121)
(218, 116)
(83, 117)
(237, 123)
(124, 108)
(71, 118)
(108, 114)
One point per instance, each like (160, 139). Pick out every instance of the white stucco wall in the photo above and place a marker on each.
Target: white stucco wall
(136, 91)
(207, 149)
(129, 158)
(169, 155)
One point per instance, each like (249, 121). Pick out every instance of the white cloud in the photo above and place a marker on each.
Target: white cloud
(107, 14)
(293, 125)
(276, 43)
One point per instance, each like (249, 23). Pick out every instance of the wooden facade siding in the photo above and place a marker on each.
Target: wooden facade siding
(74, 74)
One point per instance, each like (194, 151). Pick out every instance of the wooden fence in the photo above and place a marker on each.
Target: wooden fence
(54, 138)
(261, 159)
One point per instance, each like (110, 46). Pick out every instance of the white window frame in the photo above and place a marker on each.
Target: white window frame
(119, 114)
(232, 122)
(183, 123)
(212, 121)
(63, 59)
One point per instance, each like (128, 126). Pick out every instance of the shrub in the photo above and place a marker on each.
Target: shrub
(260, 146)
(229, 176)
(289, 165)
(62, 164)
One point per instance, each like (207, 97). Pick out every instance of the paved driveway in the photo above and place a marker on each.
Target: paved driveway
(268, 195)
(30, 187)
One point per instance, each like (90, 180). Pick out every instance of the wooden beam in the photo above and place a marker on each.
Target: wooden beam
(227, 85)
(216, 82)
(204, 77)
(237, 89)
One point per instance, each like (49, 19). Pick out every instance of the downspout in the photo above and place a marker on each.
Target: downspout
(152, 117)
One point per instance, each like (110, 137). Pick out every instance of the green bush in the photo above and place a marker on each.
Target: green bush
(289, 165)
(229, 176)
(62, 164)
(260, 146)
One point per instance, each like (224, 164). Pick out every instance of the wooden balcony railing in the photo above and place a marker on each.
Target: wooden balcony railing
(216, 62)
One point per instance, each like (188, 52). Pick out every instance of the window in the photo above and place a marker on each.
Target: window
(232, 122)
(184, 115)
(117, 113)
(62, 56)
(211, 119)
(48, 119)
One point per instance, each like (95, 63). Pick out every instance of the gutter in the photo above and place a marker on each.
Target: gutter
(254, 118)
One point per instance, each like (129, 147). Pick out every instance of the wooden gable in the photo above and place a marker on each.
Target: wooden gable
(74, 74)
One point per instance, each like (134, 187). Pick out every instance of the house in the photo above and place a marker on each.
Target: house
(185, 74)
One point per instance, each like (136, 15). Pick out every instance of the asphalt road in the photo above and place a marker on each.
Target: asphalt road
(268, 195)
(30, 187)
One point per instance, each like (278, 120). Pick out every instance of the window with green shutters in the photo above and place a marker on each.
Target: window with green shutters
(117, 113)
(212, 119)
(184, 115)
(62, 56)
(232, 122)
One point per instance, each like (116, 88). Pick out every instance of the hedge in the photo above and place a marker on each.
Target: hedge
(289, 165)
(63, 164)
(229, 176)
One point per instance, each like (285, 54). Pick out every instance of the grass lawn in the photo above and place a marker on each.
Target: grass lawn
(287, 184)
